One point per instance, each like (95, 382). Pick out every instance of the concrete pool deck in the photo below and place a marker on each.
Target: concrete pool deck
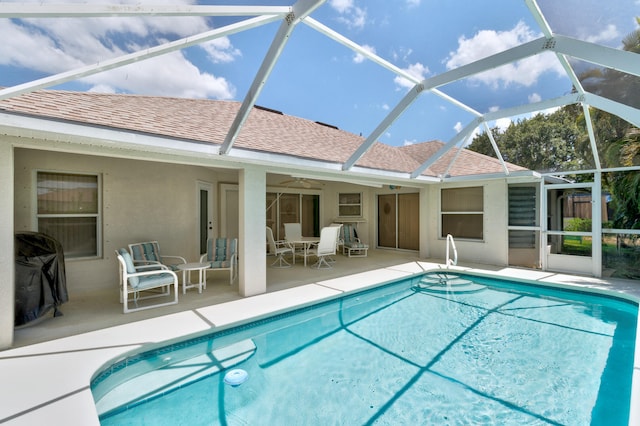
(49, 382)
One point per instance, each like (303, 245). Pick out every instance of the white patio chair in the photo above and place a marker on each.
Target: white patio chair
(293, 232)
(142, 279)
(279, 249)
(148, 253)
(222, 255)
(325, 248)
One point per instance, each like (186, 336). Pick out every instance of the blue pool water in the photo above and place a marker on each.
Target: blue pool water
(413, 352)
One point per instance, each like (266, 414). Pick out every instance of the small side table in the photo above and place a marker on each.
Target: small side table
(186, 269)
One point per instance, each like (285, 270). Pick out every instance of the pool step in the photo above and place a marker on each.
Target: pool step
(172, 375)
(447, 284)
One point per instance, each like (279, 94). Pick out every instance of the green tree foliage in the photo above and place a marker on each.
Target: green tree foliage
(545, 142)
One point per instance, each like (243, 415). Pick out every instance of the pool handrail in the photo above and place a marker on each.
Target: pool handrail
(447, 259)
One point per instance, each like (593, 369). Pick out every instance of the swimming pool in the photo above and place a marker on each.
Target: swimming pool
(413, 352)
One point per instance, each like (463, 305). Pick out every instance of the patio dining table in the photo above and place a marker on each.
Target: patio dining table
(305, 243)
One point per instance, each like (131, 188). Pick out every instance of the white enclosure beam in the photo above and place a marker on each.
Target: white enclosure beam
(592, 136)
(533, 107)
(135, 57)
(469, 128)
(495, 147)
(301, 9)
(608, 57)
(79, 10)
(384, 125)
(491, 62)
(616, 108)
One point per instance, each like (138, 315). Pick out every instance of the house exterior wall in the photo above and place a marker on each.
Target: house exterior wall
(493, 249)
(7, 262)
(141, 201)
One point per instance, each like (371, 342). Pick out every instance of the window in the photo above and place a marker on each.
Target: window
(68, 210)
(461, 211)
(350, 204)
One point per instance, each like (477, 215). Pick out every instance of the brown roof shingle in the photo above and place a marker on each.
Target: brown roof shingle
(208, 121)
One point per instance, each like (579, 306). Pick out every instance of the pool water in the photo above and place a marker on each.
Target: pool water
(414, 352)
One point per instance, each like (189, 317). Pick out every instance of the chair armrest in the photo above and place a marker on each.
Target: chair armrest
(153, 272)
(149, 266)
(182, 259)
(203, 258)
(283, 243)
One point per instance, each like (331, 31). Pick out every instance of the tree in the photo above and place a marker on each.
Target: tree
(545, 142)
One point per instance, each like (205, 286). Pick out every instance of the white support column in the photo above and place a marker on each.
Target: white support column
(252, 229)
(596, 224)
(7, 262)
(425, 213)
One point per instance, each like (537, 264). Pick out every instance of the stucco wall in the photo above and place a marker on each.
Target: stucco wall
(142, 201)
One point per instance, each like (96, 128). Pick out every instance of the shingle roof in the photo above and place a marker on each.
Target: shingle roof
(208, 121)
(467, 163)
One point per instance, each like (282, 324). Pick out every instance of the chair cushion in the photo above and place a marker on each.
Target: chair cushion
(357, 245)
(152, 281)
(133, 281)
(146, 251)
(220, 264)
(221, 250)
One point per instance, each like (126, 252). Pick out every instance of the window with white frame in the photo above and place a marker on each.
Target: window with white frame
(462, 212)
(350, 204)
(68, 209)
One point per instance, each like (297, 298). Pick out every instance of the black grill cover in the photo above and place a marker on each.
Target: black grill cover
(40, 276)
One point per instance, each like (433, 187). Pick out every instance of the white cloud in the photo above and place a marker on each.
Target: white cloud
(494, 108)
(341, 6)
(221, 50)
(386, 107)
(488, 42)
(416, 70)
(413, 3)
(358, 58)
(534, 97)
(502, 123)
(409, 142)
(457, 127)
(53, 46)
(610, 33)
(351, 15)
(169, 75)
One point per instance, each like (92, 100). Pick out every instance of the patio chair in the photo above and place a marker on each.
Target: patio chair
(222, 255)
(352, 246)
(278, 249)
(145, 278)
(148, 253)
(325, 248)
(293, 232)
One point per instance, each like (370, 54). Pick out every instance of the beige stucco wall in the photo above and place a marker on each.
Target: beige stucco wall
(7, 262)
(142, 201)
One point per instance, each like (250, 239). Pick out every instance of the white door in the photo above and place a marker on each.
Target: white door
(572, 229)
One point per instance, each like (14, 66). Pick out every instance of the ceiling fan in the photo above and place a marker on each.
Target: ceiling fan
(304, 182)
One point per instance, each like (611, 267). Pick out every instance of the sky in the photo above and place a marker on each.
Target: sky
(316, 78)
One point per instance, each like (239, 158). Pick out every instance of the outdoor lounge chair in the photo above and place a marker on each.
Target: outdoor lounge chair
(145, 278)
(148, 253)
(325, 248)
(278, 249)
(222, 255)
(351, 244)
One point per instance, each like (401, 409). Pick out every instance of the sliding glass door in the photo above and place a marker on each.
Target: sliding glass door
(399, 221)
(293, 208)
